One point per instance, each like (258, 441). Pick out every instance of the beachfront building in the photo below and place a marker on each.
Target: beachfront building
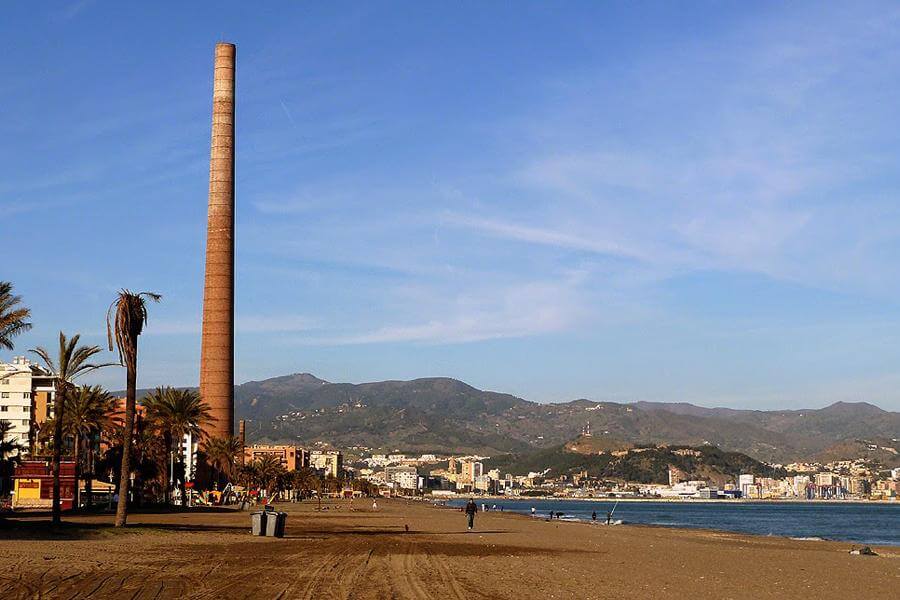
(291, 457)
(27, 392)
(330, 462)
(747, 486)
(405, 477)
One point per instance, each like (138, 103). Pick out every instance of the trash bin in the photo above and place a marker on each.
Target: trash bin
(275, 524)
(258, 523)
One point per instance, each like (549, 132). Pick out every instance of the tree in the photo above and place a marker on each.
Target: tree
(126, 325)
(89, 410)
(9, 455)
(176, 413)
(13, 316)
(224, 456)
(269, 473)
(304, 481)
(147, 456)
(71, 364)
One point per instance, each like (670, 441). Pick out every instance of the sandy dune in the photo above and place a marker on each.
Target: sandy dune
(365, 554)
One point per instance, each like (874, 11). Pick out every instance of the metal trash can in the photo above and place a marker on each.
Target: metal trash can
(280, 524)
(258, 522)
(275, 524)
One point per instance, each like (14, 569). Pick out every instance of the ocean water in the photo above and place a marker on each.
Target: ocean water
(877, 524)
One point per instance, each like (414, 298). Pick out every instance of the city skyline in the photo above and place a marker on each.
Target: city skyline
(693, 204)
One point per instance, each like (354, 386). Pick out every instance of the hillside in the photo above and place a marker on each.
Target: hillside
(639, 464)
(447, 415)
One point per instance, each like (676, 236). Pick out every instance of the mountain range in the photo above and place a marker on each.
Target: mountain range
(446, 415)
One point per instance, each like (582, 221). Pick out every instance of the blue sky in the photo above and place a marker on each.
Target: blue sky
(675, 201)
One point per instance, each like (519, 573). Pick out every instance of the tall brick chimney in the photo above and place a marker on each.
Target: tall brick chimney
(217, 346)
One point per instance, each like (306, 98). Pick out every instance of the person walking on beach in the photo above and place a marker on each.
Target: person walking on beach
(533, 511)
(471, 509)
(374, 504)
(594, 516)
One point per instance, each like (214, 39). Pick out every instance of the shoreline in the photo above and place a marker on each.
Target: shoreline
(464, 497)
(835, 537)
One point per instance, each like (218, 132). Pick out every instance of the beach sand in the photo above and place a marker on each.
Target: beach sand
(369, 554)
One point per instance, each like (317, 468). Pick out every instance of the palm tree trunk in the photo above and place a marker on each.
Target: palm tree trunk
(77, 456)
(59, 408)
(181, 485)
(124, 478)
(89, 482)
(167, 439)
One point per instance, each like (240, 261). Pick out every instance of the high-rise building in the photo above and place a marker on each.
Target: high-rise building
(470, 471)
(27, 392)
(406, 477)
(331, 462)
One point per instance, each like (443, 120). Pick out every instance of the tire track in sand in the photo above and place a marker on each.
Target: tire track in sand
(452, 585)
(403, 568)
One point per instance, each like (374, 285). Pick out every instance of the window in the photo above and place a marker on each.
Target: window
(4, 408)
(26, 409)
(26, 422)
(26, 394)
(4, 394)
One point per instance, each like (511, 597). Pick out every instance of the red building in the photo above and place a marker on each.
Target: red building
(33, 484)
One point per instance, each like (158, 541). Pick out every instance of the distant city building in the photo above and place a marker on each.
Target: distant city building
(331, 462)
(291, 457)
(406, 478)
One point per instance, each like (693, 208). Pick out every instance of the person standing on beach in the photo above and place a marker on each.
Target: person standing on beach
(594, 516)
(471, 509)
(533, 511)
(609, 517)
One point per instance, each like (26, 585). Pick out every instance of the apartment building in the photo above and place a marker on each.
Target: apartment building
(26, 399)
(331, 462)
(291, 457)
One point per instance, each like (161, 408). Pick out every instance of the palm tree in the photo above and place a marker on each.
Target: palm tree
(13, 316)
(71, 364)
(9, 454)
(269, 472)
(176, 413)
(89, 410)
(224, 456)
(127, 324)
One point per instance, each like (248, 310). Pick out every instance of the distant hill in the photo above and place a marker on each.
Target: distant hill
(879, 450)
(446, 415)
(637, 464)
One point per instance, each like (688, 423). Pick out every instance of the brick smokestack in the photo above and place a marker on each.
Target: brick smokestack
(217, 349)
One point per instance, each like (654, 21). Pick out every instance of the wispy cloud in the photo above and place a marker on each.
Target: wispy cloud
(544, 236)
(513, 312)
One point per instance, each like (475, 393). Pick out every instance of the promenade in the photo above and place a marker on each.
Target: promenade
(364, 554)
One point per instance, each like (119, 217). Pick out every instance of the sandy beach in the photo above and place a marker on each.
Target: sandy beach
(369, 554)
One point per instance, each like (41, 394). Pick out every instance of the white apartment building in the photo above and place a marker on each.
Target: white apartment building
(406, 478)
(747, 485)
(331, 462)
(26, 398)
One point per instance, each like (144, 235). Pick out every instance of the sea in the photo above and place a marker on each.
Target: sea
(864, 523)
